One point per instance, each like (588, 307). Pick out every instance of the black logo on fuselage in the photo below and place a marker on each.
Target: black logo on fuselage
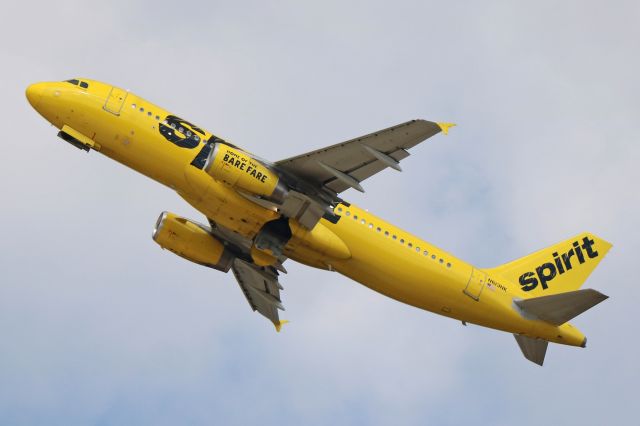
(180, 132)
(561, 264)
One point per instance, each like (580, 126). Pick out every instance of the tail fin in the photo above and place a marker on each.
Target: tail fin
(557, 269)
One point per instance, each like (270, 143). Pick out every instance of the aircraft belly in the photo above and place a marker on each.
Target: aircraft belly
(400, 280)
(226, 207)
(431, 291)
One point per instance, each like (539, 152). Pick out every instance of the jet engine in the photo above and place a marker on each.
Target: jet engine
(191, 241)
(240, 170)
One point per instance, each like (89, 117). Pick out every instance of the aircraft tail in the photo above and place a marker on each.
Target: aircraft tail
(555, 309)
(560, 268)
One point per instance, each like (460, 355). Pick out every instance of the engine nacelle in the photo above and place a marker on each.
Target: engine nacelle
(239, 170)
(191, 241)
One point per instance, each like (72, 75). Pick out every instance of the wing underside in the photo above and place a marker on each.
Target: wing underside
(345, 165)
(261, 288)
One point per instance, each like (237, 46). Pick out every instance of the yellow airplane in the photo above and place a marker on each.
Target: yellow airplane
(261, 213)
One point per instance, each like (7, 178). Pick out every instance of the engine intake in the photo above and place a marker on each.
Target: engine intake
(191, 241)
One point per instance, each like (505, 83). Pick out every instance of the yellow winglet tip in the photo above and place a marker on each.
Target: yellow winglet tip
(445, 127)
(280, 324)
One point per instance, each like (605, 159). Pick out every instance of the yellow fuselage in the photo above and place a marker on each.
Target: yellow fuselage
(126, 128)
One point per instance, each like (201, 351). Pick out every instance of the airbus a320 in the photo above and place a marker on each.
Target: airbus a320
(260, 213)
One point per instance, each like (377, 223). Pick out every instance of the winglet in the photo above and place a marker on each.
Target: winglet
(280, 324)
(445, 127)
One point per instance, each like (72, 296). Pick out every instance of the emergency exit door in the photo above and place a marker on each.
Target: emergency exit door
(115, 100)
(476, 283)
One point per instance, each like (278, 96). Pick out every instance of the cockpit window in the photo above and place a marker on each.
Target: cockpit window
(77, 82)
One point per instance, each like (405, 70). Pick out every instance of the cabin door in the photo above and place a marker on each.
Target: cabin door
(115, 100)
(476, 283)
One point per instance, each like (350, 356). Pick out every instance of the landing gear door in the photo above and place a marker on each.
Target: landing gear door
(476, 283)
(115, 100)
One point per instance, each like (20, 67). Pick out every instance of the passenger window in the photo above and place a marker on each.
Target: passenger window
(141, 109)
(149, 113)
(84, 85)
(133, 106)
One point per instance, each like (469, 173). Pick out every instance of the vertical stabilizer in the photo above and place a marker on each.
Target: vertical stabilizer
(557, 269)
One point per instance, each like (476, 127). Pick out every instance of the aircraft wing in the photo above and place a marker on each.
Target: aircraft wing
(261, 288)
(345, 165)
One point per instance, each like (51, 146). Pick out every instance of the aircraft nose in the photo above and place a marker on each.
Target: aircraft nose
(34, 93)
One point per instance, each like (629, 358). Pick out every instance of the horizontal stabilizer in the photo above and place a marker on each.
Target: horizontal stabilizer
(533, 349)
(560, 308)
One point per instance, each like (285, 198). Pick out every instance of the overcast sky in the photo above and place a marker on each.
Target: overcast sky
(98, 325)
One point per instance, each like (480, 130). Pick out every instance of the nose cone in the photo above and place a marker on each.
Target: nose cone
(34, 94)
